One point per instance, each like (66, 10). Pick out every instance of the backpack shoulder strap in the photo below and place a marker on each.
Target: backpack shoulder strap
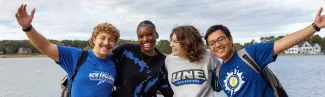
(243, 55)
(81, 60)
(217, 80)
(269, 75)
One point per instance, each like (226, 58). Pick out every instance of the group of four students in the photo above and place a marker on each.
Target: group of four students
(140, 70)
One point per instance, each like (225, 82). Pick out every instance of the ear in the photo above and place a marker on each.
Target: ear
(156, 35)
(231, 41)
(230, 38)
(93, 39)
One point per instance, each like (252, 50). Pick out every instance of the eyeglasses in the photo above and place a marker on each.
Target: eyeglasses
(173, 41)
(219, 40)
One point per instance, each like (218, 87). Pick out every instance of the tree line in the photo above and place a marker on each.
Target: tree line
(12, 46)
(312, 39)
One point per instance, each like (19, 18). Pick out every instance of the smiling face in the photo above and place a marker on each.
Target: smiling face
(177, 49)
(147, 38)
(103, 39)
(103, 44)
(220, 45)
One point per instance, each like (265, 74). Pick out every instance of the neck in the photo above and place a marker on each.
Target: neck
(149, 53)
(96, 53)
(228, 57)
(183, 55)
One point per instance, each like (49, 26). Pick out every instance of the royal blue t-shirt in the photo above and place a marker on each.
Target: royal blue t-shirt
(95, 77)
(239, 80)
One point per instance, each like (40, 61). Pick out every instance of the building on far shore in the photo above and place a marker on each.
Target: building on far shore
(304, 48)
(22, 50)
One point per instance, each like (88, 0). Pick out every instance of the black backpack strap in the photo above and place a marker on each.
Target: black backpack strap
(251, 63)
(243, 55)
(81, 60)
(217, 80)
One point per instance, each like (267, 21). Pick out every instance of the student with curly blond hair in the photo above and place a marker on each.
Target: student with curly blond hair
(95, 78)
(190, 66)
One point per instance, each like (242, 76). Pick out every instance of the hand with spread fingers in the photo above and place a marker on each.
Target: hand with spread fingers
(320, 19)
(23, 18)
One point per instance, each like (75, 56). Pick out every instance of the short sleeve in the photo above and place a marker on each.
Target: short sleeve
(262, 53)
(68, 57)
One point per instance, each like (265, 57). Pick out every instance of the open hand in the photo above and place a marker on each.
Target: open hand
(320, 19)
(23, 18)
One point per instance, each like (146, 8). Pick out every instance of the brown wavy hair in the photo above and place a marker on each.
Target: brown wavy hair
(105, 28)
(191, 41)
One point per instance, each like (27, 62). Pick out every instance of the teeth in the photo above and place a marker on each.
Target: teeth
(104, 47)
(219, 50)
(147, 44)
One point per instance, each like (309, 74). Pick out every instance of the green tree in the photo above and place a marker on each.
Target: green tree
(121, 41)
(163, 46)
(238, 46)
(66, 42)
(266, 39)
(316, 39)
(250, 43)
(308, 39)
(322, 44)
(279, 37)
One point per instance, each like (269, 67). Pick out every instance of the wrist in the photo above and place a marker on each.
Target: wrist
(315, 27)
(28, 28)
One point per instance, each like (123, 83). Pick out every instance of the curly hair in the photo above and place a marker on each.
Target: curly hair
(191, 41)
(105, 28)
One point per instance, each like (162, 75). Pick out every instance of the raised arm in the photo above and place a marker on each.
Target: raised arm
(38, 40)
(296, 37)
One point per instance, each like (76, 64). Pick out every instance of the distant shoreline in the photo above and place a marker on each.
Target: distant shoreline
(44, 56)
(300, 54)
(22, 56)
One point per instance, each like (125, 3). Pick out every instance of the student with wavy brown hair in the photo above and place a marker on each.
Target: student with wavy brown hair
(190, 65)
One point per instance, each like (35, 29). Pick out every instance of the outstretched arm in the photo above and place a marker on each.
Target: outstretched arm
(38, 40)
(296, 37)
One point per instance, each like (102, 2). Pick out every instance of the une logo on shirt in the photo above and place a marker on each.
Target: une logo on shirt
(234, 81)
(188, 77)
(102, 77)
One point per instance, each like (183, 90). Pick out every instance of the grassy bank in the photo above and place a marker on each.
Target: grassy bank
(23, 56)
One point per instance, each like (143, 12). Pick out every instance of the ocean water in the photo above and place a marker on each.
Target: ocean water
(301, 76)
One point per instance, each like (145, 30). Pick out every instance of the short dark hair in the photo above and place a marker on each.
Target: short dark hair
(214, 28)
(149, 24)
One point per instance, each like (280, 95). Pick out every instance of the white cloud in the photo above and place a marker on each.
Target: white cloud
(246, 19)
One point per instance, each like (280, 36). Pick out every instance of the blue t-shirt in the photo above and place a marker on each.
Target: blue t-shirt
(95, 77)
(239, 80)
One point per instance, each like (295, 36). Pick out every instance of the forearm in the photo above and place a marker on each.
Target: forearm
(42, 44)
(292, 39)
(38, 40)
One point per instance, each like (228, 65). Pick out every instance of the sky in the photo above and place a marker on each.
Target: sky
(75, 19)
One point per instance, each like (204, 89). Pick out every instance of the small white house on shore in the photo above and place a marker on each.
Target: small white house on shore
(304, 48)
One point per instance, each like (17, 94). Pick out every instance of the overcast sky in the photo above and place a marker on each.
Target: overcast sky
(75, 19)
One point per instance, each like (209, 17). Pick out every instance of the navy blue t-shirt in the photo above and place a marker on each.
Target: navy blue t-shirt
(239, 80)
(95, 77)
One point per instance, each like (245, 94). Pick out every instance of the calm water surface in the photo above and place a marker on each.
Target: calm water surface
(301, 76)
